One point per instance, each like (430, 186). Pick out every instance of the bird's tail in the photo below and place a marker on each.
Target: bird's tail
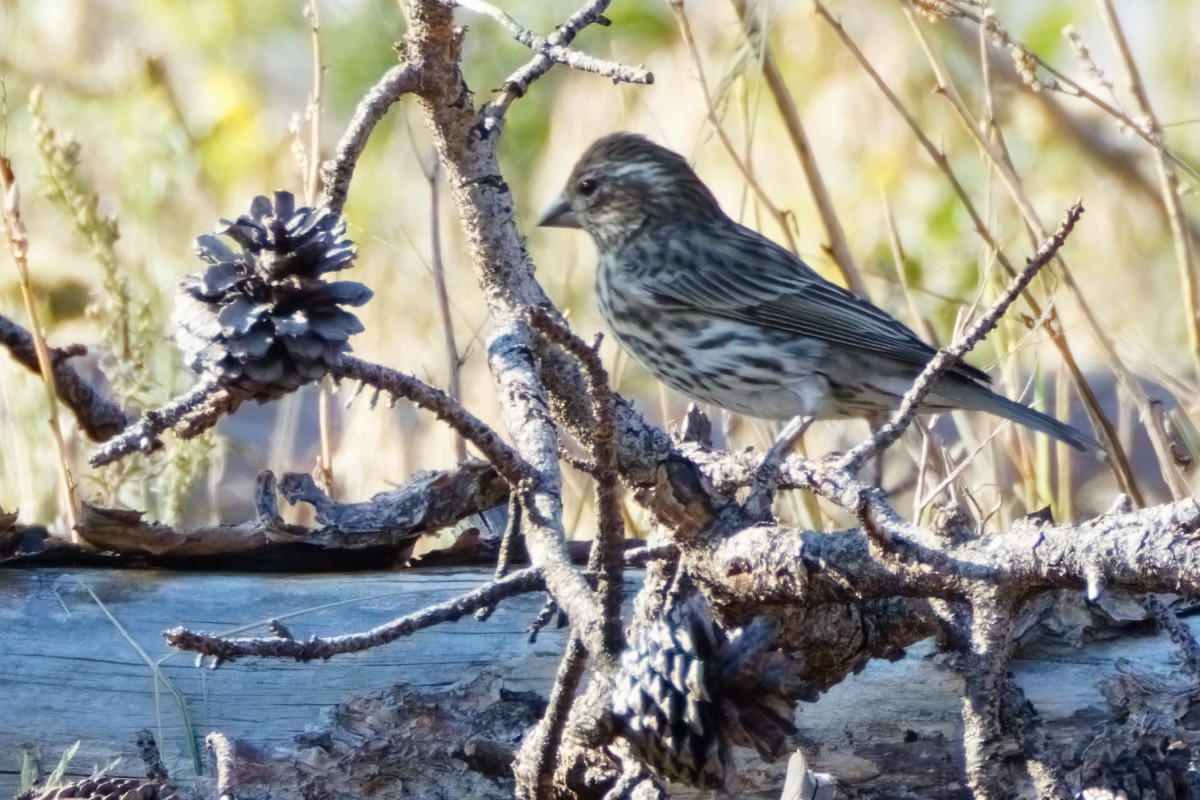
(969, 394)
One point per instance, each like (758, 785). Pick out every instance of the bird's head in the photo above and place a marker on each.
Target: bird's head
(624, 182)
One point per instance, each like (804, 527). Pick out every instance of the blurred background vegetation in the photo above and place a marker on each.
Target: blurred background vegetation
(164, 117)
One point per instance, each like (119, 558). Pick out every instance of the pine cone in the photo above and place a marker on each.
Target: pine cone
(685, 694)
(106, 789)
(262, 320)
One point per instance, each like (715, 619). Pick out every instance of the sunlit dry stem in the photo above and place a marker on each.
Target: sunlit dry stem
(453, 360)
(1071, 87)
(1119, 461)
(947, 357)
(780, 218)
(1037, 230)
(839, 248)
(324, 468)
(1189, 282)
(18, 243)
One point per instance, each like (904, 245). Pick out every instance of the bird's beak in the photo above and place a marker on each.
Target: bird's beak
(560, 215)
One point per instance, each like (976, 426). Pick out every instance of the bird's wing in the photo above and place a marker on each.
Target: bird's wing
(749, 278)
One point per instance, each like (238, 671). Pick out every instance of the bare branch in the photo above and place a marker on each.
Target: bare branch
(947, 357)
(225, 755)
(142, 435)
(523, 581)
(554, 49)
(506, 460)
(519, 82)
(605, 560)
(985, 660)
(505, 274)
(549, 732)
(530, 579)
(512, 528)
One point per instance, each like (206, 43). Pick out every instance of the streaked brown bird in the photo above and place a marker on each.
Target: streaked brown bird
(726, 316)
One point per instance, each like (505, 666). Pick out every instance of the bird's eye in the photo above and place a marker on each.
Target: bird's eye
(587, 186)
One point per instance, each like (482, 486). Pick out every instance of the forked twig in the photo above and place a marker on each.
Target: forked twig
(556, 51)
(605, 558)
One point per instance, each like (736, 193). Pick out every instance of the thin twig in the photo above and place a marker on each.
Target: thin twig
(948, 357)
(554, 721)
(1181, 635)
(519, 82)
(512, 528)
(523, 581)
(542, 618)
(142, 435)
(505, 459)
(766, 477)
(228, 649)
(555, 52)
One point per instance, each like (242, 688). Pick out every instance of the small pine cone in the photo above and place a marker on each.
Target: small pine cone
(261, 319)
(107, 789)
(685, 693)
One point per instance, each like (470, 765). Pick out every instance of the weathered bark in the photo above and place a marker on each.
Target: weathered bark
(1101, 684)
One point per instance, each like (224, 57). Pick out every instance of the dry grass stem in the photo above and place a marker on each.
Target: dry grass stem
(781, 219)
(1189, 281)
(1158, 437)
(438, 266)
(839, 248)
(18, 245)
(1119, 460)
